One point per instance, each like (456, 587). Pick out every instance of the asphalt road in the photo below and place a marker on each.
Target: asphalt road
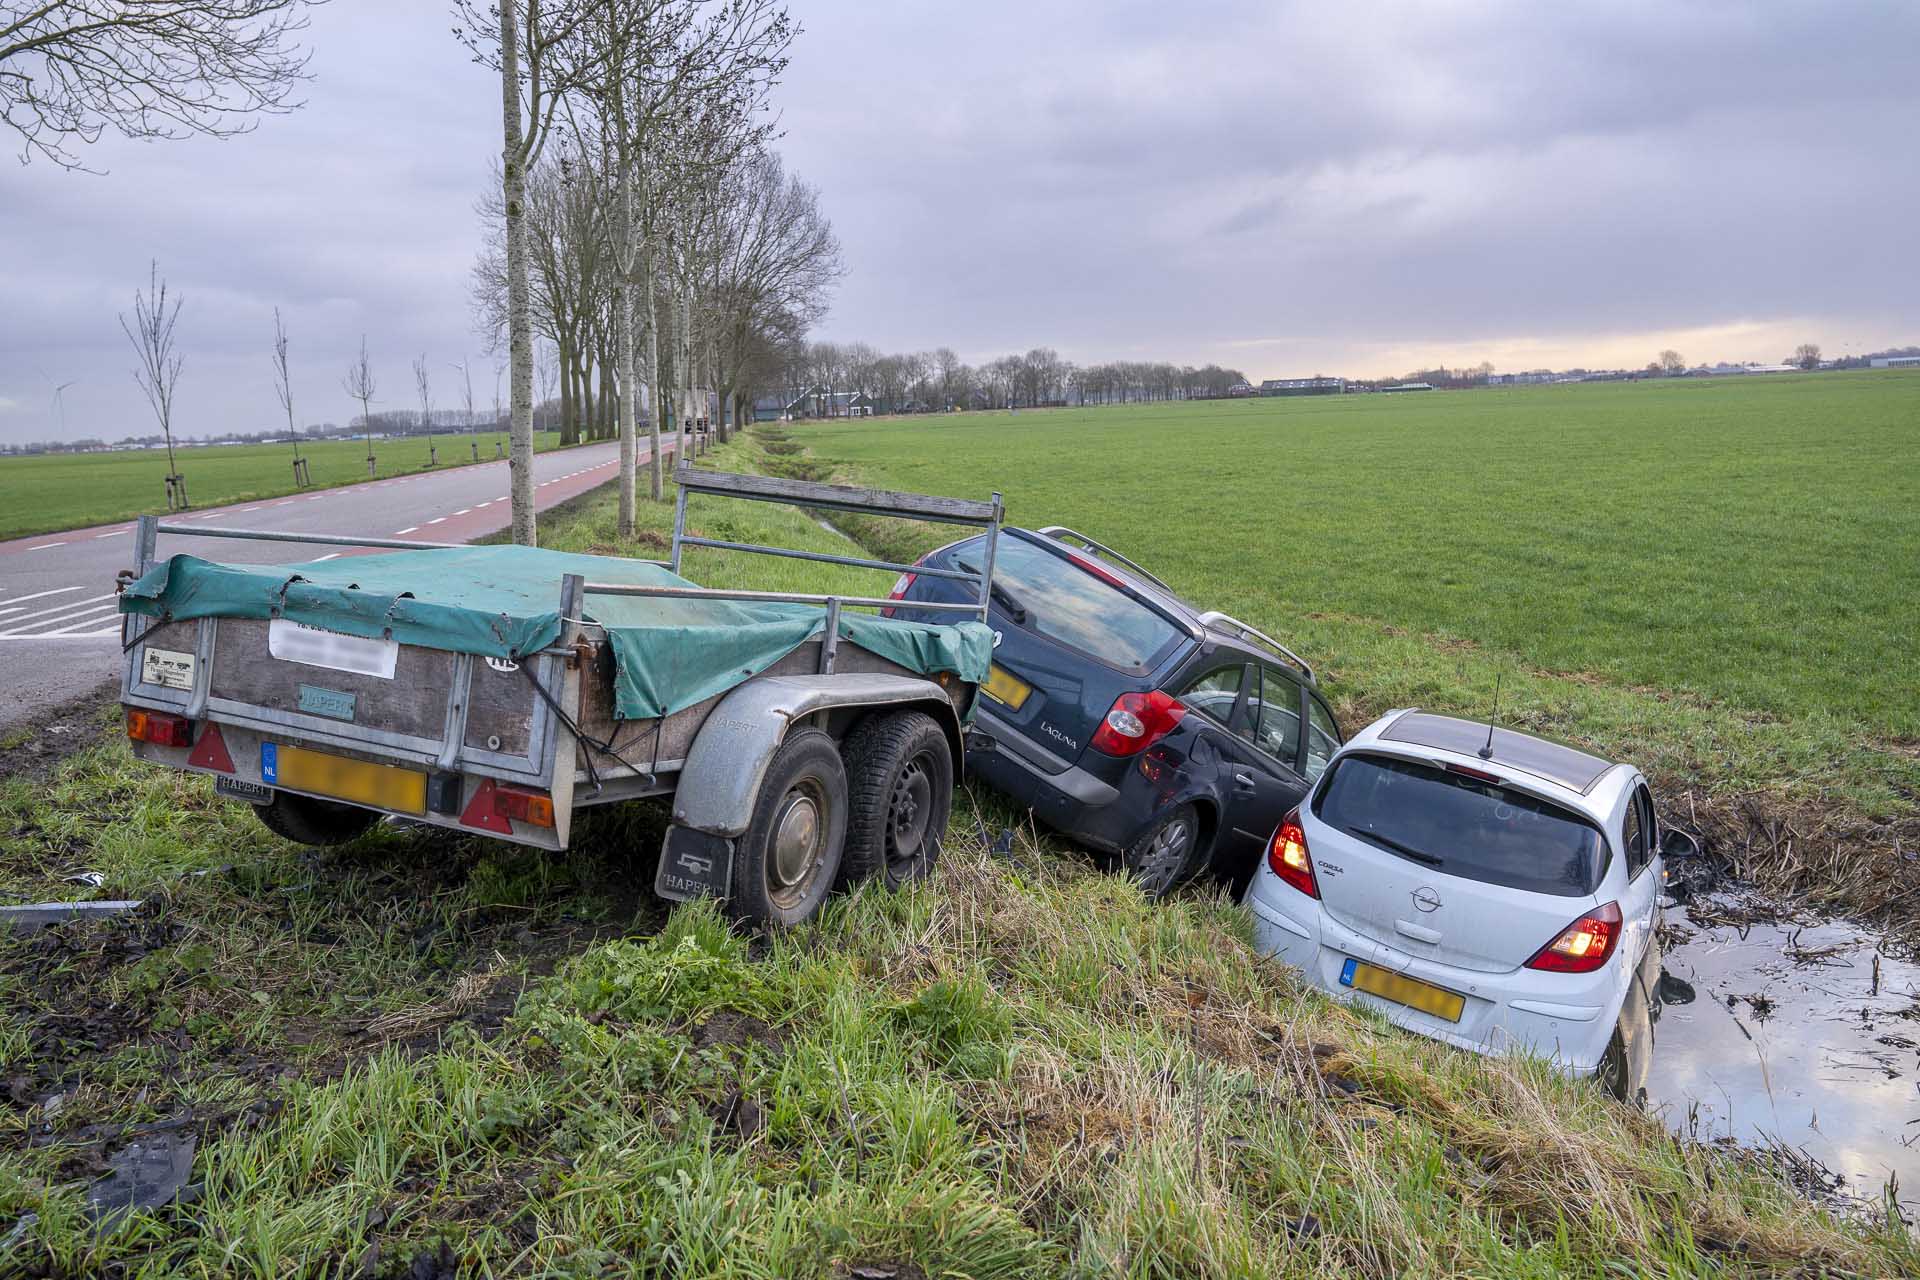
(60, 629)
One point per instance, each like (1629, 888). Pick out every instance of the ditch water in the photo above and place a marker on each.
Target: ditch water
(1803, 1037)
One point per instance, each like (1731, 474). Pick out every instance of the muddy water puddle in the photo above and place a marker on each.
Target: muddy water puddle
(1802, 1036)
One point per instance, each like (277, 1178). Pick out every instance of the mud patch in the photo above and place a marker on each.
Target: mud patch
(30, 752)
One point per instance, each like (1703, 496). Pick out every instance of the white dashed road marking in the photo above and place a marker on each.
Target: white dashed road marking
(401, 533)
(47, 546)
(438, 520)
(111, 533)
(57, 591)
(331, 555)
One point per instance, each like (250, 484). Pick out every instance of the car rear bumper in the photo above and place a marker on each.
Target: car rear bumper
(1567, 1018)
(1070, 799)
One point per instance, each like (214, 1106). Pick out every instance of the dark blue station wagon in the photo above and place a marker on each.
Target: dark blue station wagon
(1127, 720)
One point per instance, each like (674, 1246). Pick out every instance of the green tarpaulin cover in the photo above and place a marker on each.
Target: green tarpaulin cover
(504, 601)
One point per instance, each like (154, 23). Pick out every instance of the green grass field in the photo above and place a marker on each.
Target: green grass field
(1718, 579)
(56, 491)
(423, 1051)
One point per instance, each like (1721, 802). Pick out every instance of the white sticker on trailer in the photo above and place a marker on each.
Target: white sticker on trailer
(317, 647)
(168, 668)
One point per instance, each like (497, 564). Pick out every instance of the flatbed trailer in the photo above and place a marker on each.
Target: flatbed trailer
(804, 742)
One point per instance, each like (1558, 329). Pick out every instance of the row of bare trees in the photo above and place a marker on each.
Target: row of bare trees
(937, 380)
(643, 226)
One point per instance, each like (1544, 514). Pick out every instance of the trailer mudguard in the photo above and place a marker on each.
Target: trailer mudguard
(720, 782)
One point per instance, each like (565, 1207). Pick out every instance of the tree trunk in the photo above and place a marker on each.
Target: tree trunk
(566, 384)
(656, 407)
(629, 386)
(513, 183)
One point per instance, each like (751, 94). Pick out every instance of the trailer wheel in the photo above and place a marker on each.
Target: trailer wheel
(306, 820)
(786, 862)
(901, 772)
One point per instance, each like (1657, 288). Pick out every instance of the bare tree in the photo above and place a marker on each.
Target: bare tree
(283, 387)
(466, 376)
(422, 380)
(359, 383)
(151, 334)
(72, 69)
(1807, 355)
(1671, 363)
(529, 43)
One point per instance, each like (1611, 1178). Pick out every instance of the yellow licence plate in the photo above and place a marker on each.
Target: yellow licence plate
(1401, 989)
(382, 786)
(1006, 688)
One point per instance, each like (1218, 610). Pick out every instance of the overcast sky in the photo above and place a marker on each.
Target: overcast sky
(1287, 189)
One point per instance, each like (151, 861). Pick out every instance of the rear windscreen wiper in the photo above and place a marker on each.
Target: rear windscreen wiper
(1008, 601)
(1394, 846)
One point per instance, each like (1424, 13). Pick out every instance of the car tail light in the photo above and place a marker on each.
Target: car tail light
(1584, 946)
(902, 585)
(1478, 775)
(162, 728)
(534, 808)
(1288, 855)
(1136, 722)
(1099, 571)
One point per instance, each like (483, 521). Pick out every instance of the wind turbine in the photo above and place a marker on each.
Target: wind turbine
(60, 403)
(59, 396)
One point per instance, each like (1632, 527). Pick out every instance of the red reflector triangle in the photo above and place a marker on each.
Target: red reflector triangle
(480, 811)
(211, 751)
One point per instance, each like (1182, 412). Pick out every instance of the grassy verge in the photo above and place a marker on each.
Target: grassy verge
(56, 491)
(422, 1053)
(419, 1053)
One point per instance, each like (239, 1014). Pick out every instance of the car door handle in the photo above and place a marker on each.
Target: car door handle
(1244, 783)
(1419, 933)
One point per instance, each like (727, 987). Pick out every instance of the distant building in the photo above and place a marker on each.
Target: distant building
(1239, 390)
(1894, 362)
(769, 408)
(1521, 379)
(1409, 386)
(818, 402)
(1302, 387)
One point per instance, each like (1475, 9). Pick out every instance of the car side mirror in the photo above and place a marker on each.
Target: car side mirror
(1676, 845)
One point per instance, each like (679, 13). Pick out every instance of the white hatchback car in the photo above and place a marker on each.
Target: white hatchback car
(1482, 886)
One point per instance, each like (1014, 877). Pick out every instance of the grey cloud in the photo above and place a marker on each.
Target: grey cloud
(1323, 182)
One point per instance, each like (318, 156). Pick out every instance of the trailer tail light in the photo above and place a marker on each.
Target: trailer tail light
(162, 728)
(1136, 722)
(535, 808)
(1584, 946)
(1288, 857)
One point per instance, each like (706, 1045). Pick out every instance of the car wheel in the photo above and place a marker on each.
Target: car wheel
(1611, 1075)
(1159, 859)
(786, 862)
(900, 772)
(306, 820)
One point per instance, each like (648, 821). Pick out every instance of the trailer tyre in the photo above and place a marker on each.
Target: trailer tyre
(786, 862)
(901, 772)
(306, 820)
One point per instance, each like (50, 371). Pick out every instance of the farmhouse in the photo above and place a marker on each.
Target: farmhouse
(1409, 386)
(818, 402)
(1894, 362)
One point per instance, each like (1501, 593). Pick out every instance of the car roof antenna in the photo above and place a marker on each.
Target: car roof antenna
(1486, 752)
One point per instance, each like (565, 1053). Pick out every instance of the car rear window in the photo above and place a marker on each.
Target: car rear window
(1462, 826)
(1068, 604)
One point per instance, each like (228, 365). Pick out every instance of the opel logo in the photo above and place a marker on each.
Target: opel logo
(1426, 899)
